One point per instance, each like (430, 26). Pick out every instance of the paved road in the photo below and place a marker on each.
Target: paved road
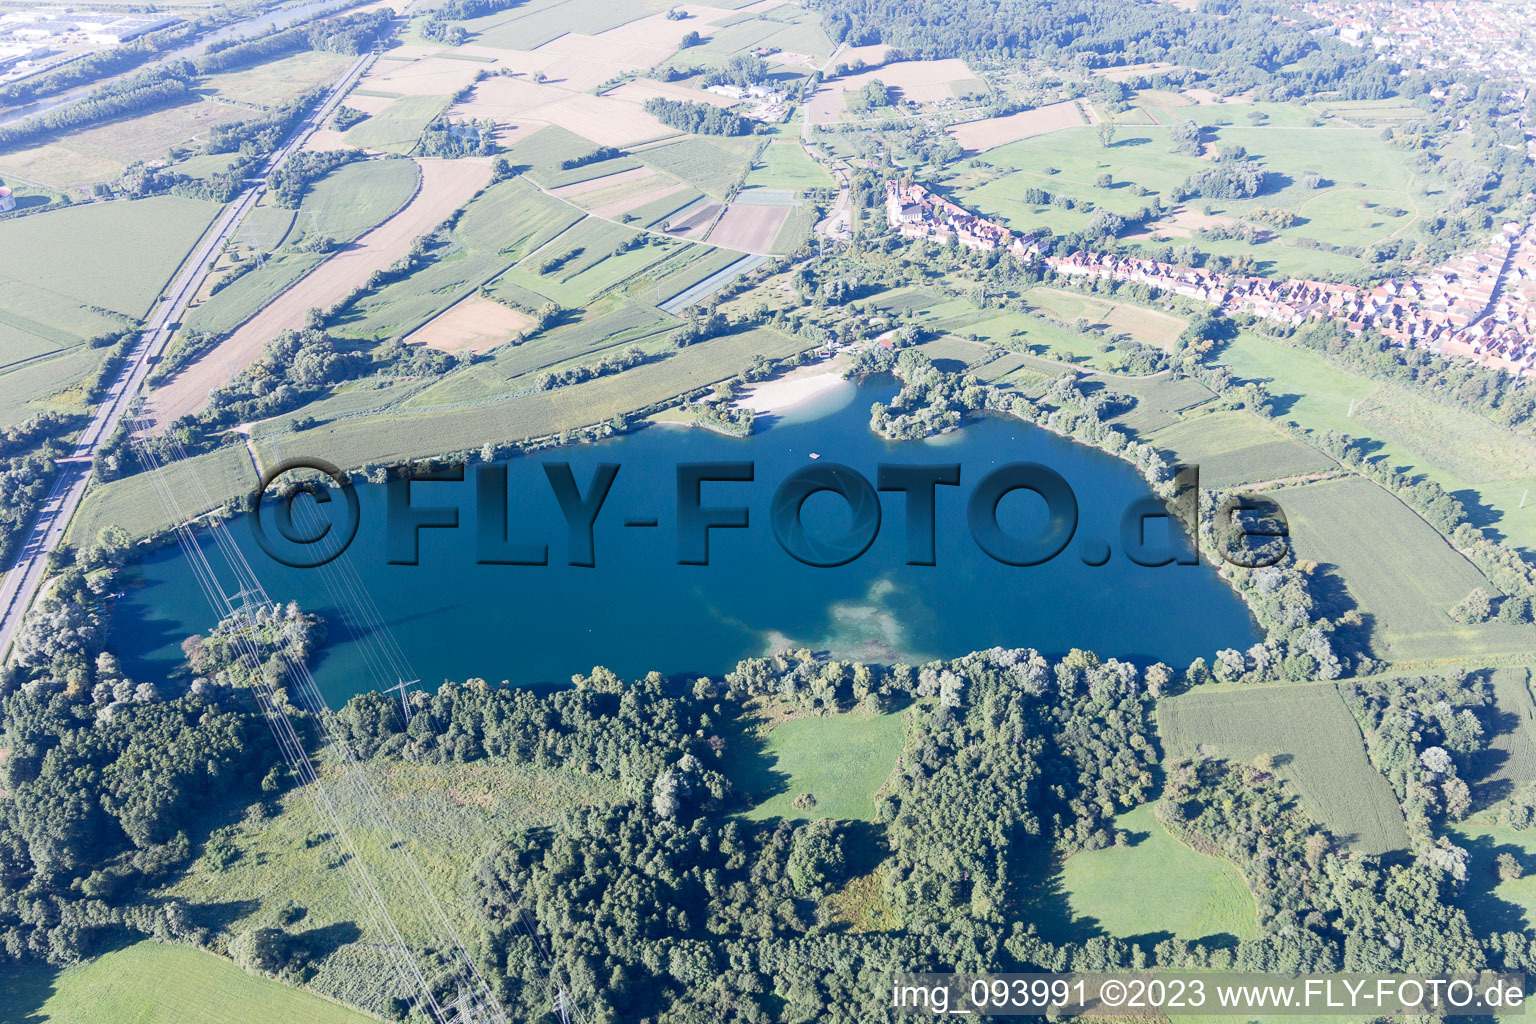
(25, 574)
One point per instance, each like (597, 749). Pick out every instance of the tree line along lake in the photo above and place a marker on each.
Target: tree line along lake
(638, 610)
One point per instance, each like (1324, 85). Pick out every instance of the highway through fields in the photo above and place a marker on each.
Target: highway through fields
(25, 574)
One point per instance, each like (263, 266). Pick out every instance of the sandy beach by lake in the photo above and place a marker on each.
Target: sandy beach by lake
(794, 388)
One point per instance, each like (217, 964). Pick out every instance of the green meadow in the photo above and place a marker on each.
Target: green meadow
(155, 983)
(840, 760)
(1155, 887)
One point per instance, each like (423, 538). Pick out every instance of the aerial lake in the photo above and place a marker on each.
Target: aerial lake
(637, 609)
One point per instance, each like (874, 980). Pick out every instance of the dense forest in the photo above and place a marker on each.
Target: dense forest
(665, 904)
(1240, 44)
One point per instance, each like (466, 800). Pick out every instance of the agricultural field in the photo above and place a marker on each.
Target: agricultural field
(397, 127)
(25, 390)
(1155, 887)
(508, 222)
(356, 197)
(276, 82)
(1161, 399)
(446, 185)
(198, 484)
(1148, 326)
(159, 983)
(543, 149)
(1510, 761)
(988, 134)
(928, 81)
(234, 304)
(474, 324)
(1315, 744)
(113, 256)
(1478, 461)
(100, 152)
(707, 166)
(749, 227)
(840, 760)
(1233, 448)
(1400, 571)
(392, 433)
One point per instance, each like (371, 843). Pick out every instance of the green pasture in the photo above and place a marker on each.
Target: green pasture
(786, 165)
(840, 760)
(157, 983)
(1493, 905)
(1315, 744)
(1156, 887)
(1277, 115)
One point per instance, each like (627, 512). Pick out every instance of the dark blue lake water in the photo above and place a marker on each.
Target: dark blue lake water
(637, 609)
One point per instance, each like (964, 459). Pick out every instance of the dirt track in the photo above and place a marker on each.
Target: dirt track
(445, 186)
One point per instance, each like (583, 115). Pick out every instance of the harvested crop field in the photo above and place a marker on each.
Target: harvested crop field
(976, 136)
(476, 324)
(446, 186)
(605, 121)
(748, 227)
(619, 207)
(693, 223)
(506, 99)
(430, 76)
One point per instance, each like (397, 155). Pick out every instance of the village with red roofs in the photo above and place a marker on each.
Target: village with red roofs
(1478, 305)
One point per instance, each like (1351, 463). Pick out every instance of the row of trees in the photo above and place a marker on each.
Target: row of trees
(147, 90)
